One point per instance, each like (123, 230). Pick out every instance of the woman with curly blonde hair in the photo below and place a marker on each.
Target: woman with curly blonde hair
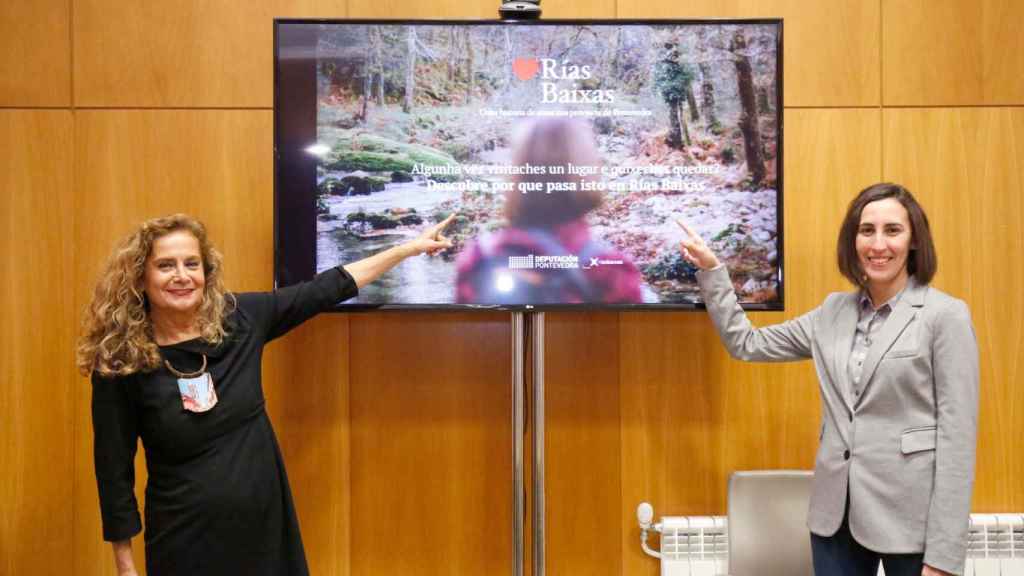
(175, 361)
(118, 337)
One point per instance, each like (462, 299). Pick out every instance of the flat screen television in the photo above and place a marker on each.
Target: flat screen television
(566, 149)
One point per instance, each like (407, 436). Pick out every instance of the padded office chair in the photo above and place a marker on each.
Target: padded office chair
(768, 533)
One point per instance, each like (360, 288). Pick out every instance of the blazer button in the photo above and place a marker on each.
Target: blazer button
(846, 455)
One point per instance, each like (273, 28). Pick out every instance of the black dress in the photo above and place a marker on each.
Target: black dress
(217, 498)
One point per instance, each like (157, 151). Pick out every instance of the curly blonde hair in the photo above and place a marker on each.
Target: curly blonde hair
(117, 333)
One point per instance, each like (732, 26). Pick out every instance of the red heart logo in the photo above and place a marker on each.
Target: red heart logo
(525, 68)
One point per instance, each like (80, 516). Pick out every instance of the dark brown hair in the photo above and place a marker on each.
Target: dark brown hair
(921, 262)
(552, 142)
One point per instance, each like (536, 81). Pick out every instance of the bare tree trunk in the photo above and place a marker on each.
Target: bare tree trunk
(603, 73)
(452, 51)
(683, 125)
(692, 103)
(748, 118)
(707, 86)
(379, 61)
(615, 55)
(367, 85)
(508, 57)
(364, 106)
(675, 131)
(775, 88)
(608, 66)
(764, 105)
(707, 90)
(486, 43)
(410, 71)
(470, 65)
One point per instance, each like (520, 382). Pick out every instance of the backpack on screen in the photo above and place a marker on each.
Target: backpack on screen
(509, 274)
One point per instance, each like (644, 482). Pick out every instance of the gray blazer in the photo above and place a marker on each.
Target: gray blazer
(905, 450)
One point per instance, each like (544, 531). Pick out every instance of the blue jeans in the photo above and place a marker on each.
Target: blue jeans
(841, 555)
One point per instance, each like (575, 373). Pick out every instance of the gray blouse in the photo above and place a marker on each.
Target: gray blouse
(869, 323)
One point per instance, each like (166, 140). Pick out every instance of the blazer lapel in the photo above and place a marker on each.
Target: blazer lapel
(846, 325)
(903, 312)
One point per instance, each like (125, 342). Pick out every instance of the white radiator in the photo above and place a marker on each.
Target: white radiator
(694, 546)
(995, 545)
(699, 545)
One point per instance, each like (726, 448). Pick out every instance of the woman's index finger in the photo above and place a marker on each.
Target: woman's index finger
(443, 223)
(689, 231)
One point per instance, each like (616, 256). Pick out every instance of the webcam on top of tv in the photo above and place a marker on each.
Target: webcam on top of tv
(520, 10)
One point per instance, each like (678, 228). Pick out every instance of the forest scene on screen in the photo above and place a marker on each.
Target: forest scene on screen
(636, 126)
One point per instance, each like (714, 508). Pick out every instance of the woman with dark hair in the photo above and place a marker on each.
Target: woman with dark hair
(175, 362)
(546, 208)
(897, 363)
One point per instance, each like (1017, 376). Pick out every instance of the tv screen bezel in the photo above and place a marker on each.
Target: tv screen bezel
(284, 276)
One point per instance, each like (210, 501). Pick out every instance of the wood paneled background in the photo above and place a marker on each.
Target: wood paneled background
(396, 427)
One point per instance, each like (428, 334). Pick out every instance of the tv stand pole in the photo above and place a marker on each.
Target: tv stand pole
(524, 324)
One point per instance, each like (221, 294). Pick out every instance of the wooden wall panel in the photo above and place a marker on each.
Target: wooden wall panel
(966, 166)
(831, 48)
(135, 165)
(585, 9)
(480, 9)
(307, 376)
(431, 438)
(216, 165)
(946, 52)
(191, 53)
(36, 341)
(691, 415)
(830, 156)
(582, 460)
(35, 53)
(422, 10)
(671, 422)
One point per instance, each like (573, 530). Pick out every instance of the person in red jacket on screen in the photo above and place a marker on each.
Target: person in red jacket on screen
(547, 254)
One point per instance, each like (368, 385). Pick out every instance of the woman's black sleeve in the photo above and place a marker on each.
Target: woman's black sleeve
(115, 437)
(279, 311)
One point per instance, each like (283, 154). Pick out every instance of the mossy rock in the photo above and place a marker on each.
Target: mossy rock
(671, 266)
(726, 232)
(368, 161)
(405, 216)
(329, 186)
(410, 220)
(358, 185)
(386, 220)
(356, 217)
(461, 151)
(376, 221)
(382, 221)
(372, 153)
(399, 176)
